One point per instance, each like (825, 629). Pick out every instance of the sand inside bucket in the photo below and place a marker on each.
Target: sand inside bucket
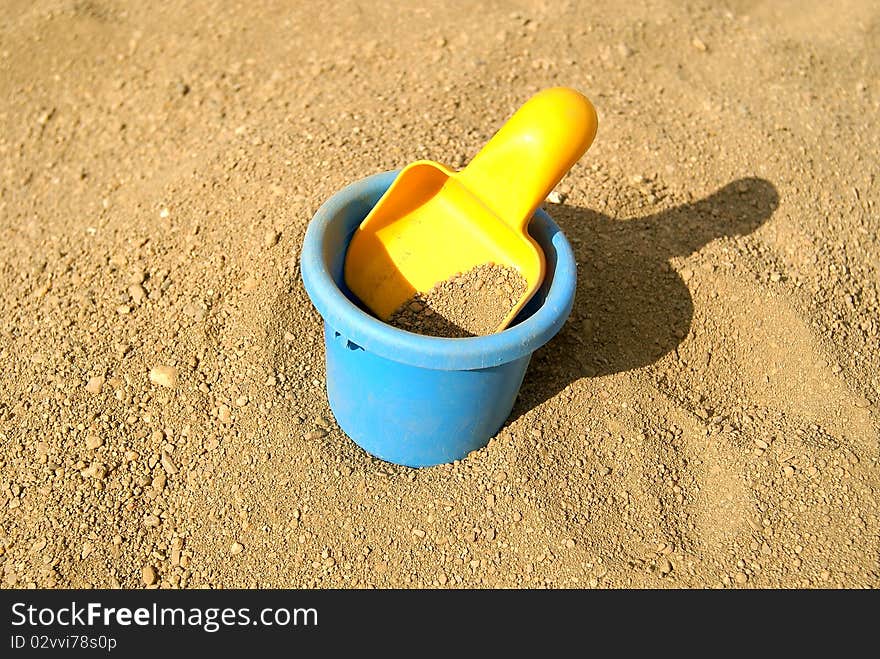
(468, 304)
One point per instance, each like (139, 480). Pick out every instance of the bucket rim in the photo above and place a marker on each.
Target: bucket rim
(381, 339)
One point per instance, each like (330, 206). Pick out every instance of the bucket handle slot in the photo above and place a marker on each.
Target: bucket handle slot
(348, 344)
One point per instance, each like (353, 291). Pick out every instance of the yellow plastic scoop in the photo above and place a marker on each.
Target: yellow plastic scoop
(434, 223)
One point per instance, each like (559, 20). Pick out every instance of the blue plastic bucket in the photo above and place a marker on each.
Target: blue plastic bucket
(417, 400)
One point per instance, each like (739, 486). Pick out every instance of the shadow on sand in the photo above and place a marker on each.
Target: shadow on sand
(632, 307)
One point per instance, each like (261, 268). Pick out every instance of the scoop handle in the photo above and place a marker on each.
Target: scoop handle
(530, 154)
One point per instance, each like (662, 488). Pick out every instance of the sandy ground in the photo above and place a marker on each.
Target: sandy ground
(707, 417)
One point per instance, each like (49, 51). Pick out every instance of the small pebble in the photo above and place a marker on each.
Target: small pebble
(270, 238)
(95, 470)
(236, 548)
(164, 376)
(168, 464)
(95, 384)
(149, 575)
(137, 293)
(224, 414)
(94, 441)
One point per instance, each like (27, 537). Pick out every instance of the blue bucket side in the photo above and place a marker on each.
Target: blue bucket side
(412, 399)
(416, 416)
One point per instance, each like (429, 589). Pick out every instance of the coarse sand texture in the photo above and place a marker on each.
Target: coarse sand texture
(706, 417)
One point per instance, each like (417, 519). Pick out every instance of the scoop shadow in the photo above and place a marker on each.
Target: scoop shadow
(631, 306)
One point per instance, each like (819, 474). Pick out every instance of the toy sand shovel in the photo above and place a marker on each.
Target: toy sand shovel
(434, 223)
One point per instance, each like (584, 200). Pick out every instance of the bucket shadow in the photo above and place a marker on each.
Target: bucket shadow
(631, 306)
